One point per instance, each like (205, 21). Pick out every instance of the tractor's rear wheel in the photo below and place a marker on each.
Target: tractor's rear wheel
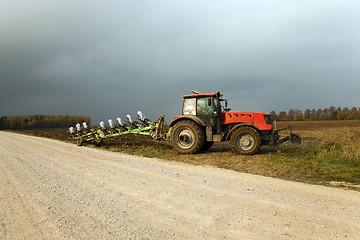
(80, 141)
(187, 137)
(245, 140)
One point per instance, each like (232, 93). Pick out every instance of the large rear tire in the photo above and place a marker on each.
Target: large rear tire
(187, 137)
(245, 140)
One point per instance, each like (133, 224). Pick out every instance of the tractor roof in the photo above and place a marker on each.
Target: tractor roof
(197, 94)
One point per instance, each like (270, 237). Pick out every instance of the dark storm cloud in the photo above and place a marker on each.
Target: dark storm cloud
(111, 58)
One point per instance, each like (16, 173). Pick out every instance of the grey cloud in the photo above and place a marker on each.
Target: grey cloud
(110, 58)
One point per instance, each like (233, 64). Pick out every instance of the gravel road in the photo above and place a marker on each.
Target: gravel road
(56, 190)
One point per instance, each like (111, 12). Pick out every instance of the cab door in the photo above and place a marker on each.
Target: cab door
(205, 110)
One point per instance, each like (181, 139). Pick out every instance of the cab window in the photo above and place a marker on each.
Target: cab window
(189, 107)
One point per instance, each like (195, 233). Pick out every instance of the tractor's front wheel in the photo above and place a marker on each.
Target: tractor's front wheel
(245, 140)
(187, 137)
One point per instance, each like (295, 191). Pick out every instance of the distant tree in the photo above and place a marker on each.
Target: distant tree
(332, 113)
(339, 114)
(297, 117)
(319, 114)
(353, 114)
(346, 112)
(40, 121)
(291, 114)
(307, 114)
(273, 115)
(325, 114)
(298, 111)
(313, 115)
(282, 116)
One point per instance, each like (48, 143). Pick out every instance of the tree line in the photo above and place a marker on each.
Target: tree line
(331, 113)
(41, 121)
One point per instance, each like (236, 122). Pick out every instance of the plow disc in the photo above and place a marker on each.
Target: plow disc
(141, 126)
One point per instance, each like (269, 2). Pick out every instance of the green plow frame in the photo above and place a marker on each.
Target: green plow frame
(143, 126)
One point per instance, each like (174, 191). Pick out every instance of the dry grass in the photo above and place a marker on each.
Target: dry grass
(330, 154)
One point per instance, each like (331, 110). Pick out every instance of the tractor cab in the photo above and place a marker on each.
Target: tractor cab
(207, 107)
(201, 106)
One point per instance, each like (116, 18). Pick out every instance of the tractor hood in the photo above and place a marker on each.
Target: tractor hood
(261, 121)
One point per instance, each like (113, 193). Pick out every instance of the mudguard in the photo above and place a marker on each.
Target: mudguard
(193, 118)
(236, 127)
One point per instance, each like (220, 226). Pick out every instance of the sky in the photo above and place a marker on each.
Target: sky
(106, 59)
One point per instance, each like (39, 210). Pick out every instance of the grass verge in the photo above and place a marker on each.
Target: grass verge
(335, 162)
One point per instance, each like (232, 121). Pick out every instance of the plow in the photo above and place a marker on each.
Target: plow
(141, 126)
(205, 119)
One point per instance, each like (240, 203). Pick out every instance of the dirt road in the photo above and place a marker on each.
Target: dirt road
(56, 190)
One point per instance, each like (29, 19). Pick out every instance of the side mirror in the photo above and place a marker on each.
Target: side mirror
(226, 104)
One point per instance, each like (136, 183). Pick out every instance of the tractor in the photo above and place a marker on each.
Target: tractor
(205, 119)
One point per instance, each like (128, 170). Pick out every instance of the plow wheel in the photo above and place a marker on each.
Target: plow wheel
(187, 137)
(98, 141)
(245, 140)
(80, 141)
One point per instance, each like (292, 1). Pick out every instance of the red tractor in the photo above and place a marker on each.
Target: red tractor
(206, 119)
